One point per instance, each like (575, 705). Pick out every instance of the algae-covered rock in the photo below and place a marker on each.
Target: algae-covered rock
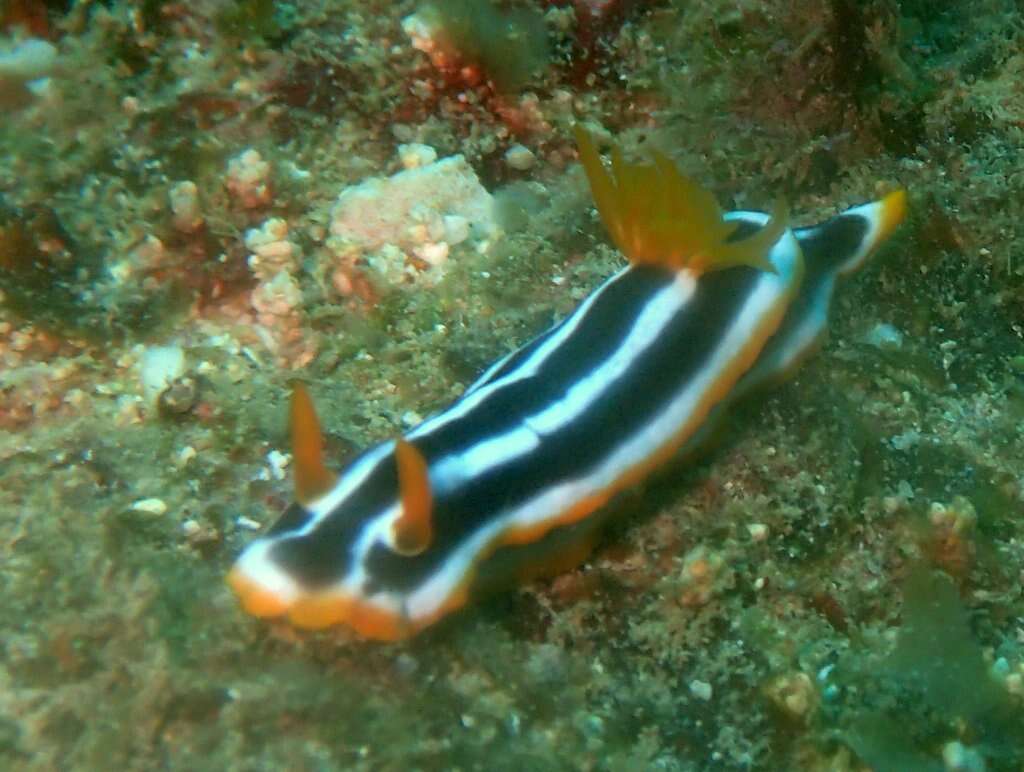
(50, 278)
(507, 46)
(940, 669)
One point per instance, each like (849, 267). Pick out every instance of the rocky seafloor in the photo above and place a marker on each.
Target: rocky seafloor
(189, 220)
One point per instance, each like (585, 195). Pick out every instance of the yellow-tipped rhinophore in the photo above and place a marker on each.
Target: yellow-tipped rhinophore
(894, 211)
(657, 215)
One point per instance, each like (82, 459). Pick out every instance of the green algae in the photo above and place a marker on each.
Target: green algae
(937, 655)
(939, 668)
(264, 19)
(882, 743)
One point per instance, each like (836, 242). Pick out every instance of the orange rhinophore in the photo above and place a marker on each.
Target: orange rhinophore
(312, 478)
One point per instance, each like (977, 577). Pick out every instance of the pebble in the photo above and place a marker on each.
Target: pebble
(179, 397)
(278, 463)
(906, 440)
(414, 155)
(152, 506)
(957, 757)
(29, 60)
(701, 690)
(520, 157)
(185, 455)
(159, 366)
(885, 336)
(758, 531)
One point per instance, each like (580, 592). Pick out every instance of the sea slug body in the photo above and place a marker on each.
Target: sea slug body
(511, 480)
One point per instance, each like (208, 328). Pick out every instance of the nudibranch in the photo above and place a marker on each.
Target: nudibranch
(510, 481)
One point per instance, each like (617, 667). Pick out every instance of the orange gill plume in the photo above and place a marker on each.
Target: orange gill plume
(655, 214)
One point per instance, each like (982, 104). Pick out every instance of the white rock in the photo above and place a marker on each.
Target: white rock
(272, 251)
(957, 757)
(278, 463)
(435, 253)
(248, 179)
(758, 531)
(277, 297)
(406, 209)
(456, 229)
(184, 201)
(185, 455)
(29, 60)
(701, 690)
(158, 367)
(520, 157)
(415, 155)
(885, 336)
(150, 506)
